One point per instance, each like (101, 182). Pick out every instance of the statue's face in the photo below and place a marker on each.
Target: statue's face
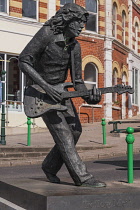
(74, 28)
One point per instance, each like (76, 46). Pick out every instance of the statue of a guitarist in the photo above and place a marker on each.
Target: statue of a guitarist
(46, 60)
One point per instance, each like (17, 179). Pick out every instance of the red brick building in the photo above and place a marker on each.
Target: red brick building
(110, 52)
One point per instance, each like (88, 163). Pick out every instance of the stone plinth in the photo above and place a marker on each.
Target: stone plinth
(35, 194)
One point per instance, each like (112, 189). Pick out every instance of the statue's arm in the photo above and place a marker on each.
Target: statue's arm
(30, 55)
(79, 83)
(94, 94)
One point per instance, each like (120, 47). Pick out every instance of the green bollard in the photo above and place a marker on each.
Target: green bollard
(104, 130)
(29, 131)
(130, 140)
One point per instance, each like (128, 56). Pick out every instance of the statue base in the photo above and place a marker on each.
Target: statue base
(34, 194)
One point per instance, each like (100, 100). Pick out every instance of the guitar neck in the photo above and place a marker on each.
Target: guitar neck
(107, 90)
(74, 94)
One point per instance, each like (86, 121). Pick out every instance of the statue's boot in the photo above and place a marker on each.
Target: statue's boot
(52, 178)
(52, 164)
(93, 183)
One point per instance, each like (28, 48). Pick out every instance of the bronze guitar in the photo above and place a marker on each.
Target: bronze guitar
(37, 102)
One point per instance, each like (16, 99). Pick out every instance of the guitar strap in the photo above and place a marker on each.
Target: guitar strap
(72, 66)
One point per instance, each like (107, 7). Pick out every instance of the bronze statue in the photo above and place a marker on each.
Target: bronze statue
(46, 60)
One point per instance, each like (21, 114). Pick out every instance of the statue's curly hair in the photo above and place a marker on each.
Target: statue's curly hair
(65, 15)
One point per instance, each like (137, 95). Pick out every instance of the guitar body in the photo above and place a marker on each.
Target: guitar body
(37, 102)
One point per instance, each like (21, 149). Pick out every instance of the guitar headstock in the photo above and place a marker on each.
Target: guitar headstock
(120, 89)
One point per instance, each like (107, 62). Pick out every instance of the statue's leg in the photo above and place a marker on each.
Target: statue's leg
(64, 140)
(53, 161)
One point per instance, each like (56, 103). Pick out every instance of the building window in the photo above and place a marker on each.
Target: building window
(90, 75)
(62, 2)
(3, 6)
(14, 82)
(136, 37)
(124, 78)
(123, 26)
(91, 7)
(114, 19)
(114, 82)
(29, 8)
(135, 86)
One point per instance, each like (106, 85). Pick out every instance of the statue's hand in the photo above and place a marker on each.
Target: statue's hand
(94, 96)
(52, 93)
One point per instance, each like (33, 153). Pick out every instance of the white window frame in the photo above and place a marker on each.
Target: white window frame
(123, 27)
(61, 5)
(136, 37)
(124, 78)
(37, 14)
(90, 82)
(2, 60)
(136, 92)
(97, 14)
(114, 20)
(6, 66)
(115, 74)
(7, 10)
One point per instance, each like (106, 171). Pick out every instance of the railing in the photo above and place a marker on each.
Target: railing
(90, 106)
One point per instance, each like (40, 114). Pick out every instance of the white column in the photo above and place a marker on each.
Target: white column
(5, 69)
(51, 8)
(108, 60)
(130, 57)
(6, 66)
(22, 90)
(130, 65)
(130, 25)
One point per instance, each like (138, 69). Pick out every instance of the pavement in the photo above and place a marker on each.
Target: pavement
(89, 147)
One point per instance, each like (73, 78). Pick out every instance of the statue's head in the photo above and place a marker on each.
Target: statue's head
(70, 18)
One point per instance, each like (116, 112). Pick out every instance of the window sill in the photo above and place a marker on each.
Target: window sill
(90, 105)
(92, 34)
(135, 105)
(89, 32)
(116, 108)
(30, 19)
(20, 20)
(4, 14)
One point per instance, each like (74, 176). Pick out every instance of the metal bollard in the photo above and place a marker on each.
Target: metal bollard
(130, 140)
(104, 130)
(29, 131)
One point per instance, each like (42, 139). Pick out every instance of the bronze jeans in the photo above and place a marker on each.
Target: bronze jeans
(65, 129)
